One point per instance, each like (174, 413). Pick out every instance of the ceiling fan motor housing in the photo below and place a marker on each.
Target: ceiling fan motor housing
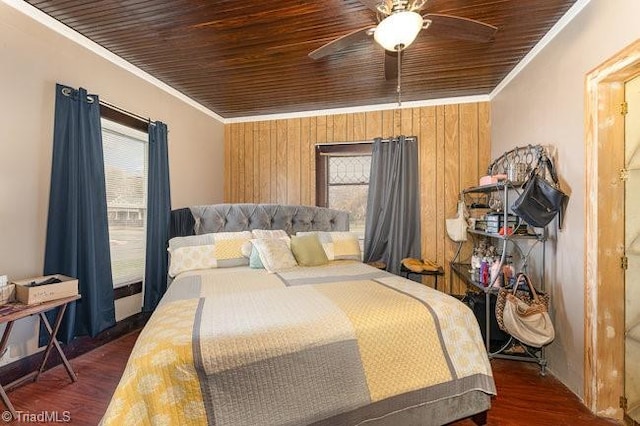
(398, 30)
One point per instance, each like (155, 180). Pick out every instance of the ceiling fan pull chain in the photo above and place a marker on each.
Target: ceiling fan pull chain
(399, 88)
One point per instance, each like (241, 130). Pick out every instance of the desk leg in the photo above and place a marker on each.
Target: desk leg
(5, 338)
(54, 342)
(3, 347)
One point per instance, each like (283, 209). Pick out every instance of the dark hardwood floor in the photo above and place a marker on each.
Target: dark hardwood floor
(525, 397)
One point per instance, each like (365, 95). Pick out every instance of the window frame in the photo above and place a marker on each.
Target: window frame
(127, 120)
(323, 152)
(124, 119)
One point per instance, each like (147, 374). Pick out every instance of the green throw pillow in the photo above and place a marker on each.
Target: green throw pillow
(308, 250)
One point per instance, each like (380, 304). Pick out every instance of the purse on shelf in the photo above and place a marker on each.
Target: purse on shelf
(541, 200)
(457, 226)
(524, 314)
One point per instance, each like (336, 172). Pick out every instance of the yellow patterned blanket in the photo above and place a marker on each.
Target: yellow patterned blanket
(340, 344)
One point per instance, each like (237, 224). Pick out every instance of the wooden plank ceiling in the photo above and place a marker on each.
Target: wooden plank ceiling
(244, 58)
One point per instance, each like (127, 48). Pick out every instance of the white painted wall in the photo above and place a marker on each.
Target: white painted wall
(545, 104)
(32, 59)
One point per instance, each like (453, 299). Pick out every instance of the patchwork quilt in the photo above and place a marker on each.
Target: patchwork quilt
(334, 344)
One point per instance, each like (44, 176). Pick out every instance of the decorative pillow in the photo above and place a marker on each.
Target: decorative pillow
(254, 259)
(246, 249)
(269, 233)
(229, 248)
(217, 250)
(274, 254)
(252, 254)
(192, 240)
(308, 251)
(190, 258)
(338, 245)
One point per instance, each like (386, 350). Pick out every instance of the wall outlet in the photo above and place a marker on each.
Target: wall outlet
(3, 280)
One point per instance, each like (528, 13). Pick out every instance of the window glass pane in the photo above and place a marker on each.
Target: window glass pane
(352, 198)
(348, 184)
(349, 169)
(125, 159)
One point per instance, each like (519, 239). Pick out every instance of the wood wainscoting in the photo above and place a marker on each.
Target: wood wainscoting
(274, 161)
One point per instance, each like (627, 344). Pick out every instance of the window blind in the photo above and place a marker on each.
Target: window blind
(126, 165)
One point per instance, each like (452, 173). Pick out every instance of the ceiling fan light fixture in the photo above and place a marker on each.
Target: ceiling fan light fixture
(399, 29)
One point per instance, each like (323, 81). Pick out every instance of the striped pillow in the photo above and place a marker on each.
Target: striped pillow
(218, 250)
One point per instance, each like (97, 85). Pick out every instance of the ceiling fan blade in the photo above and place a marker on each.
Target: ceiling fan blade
(458, 27)
(342, 42)
(390, 65)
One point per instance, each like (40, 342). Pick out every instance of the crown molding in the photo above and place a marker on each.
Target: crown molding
(365, 108)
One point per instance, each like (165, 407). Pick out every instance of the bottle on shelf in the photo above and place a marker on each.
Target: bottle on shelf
(484, 272)
(495, 277)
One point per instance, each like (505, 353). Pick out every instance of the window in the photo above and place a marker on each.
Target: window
(342, 180)
(125, 161)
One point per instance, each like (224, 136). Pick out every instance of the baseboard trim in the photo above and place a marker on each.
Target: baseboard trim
(80, 345)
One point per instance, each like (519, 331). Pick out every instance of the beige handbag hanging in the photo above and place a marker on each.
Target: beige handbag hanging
(457, 226)
(526, 319)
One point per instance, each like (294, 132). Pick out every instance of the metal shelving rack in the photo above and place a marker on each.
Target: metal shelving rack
(509, 244)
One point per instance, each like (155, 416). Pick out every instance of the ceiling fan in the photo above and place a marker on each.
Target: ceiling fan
(399, 23)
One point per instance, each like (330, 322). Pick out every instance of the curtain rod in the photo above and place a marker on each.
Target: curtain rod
(341, 154)
(343, 143)
(129, 113)
(67, 91)
(359, 142)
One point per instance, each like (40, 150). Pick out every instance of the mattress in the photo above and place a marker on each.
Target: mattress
(342, 343)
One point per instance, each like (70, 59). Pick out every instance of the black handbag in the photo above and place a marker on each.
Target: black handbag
(540, 200)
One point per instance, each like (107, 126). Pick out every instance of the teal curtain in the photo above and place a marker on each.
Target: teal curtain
(158, 217)
(392, 230)
(77, 230)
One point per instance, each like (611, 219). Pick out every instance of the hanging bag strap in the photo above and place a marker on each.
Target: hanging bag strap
(522, 277)
(545, 163)
(462, 209)
(534, 308)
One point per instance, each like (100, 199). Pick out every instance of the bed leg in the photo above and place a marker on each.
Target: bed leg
(480, 419)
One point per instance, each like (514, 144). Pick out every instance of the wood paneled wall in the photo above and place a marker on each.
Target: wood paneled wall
(274, 161)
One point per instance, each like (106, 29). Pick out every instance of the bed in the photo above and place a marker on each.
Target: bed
(341, 343)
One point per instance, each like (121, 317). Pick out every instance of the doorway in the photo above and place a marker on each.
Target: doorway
(631, 403)
(605, 258)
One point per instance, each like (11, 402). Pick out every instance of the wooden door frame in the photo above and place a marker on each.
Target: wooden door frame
(604, 324)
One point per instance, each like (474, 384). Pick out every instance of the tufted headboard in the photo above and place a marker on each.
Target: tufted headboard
(244, 217)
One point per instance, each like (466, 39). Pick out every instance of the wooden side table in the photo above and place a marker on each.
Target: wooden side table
(11, 313)
(432, 273)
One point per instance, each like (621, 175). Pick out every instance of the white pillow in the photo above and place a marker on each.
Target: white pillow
(246, 249)
(269, 233)
(338, 245)
(252, 255)
(274, 253)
